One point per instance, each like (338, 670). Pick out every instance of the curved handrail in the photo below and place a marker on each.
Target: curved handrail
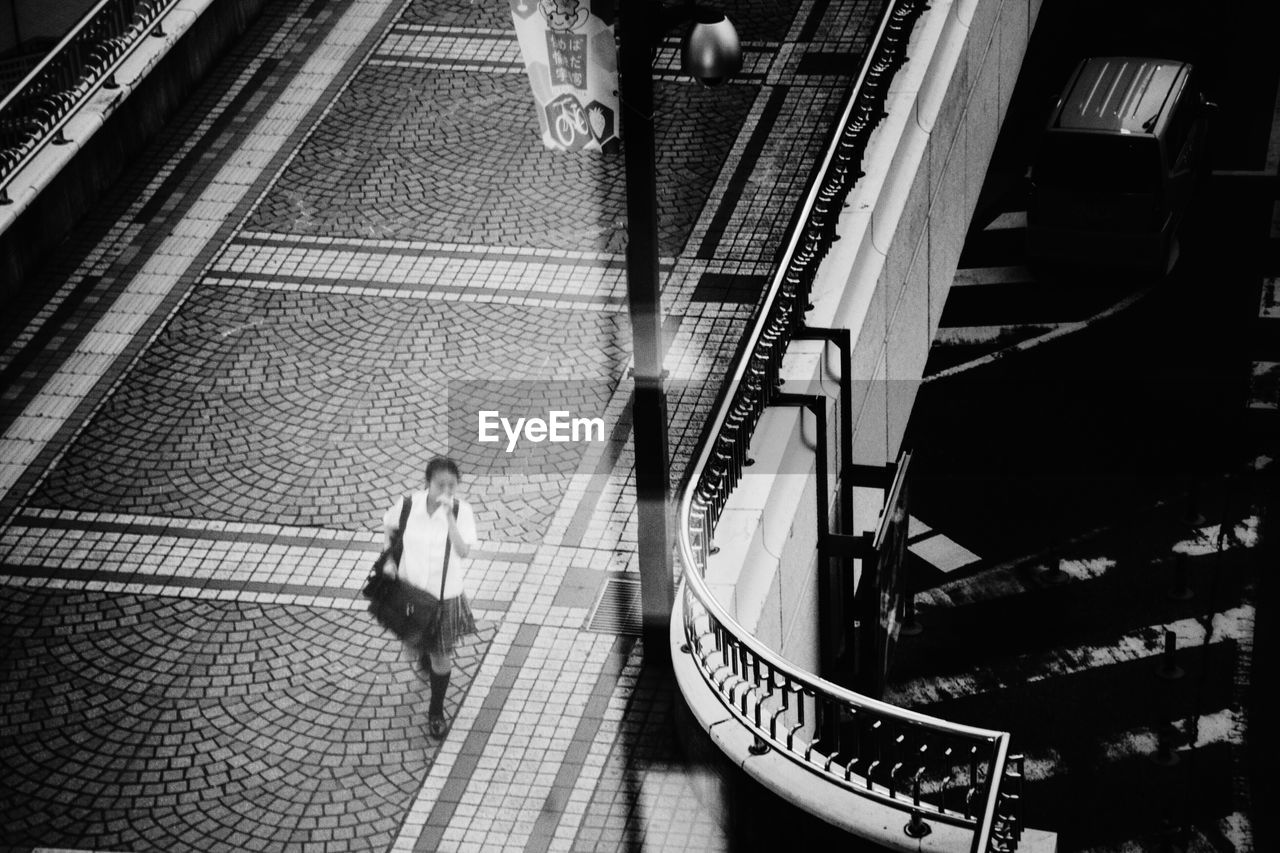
(850, 740)
(36, 110)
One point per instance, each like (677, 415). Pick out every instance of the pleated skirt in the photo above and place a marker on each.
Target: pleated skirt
(433, 627)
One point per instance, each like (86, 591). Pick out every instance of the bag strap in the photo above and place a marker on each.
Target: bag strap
(404, 514)
(396, 548)
(448, 543)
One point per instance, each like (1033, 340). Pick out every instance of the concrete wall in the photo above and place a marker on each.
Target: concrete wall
(62, 183)
(905, 224)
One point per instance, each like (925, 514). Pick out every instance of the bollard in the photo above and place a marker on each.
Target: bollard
(1181, 589)
(1169, 668)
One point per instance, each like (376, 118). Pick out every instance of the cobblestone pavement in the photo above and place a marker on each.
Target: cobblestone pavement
(346, 237)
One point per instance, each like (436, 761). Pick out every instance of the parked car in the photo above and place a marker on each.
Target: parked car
(1117, 164)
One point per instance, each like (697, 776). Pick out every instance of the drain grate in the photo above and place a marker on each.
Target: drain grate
(617, 610)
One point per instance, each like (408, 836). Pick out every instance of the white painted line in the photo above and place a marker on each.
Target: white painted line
(1008, 221)
(1024, 345)
(970, 276)
(943, 553)
(1142, 643)
(1005, 580)
(948, 336)
(916, 527)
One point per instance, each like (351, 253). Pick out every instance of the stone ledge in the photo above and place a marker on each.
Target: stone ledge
(92, 113)
(61, 182)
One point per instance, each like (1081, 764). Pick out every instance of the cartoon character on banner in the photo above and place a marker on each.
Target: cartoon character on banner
(564, 15)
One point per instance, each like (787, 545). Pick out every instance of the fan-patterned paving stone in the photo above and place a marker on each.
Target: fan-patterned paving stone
(180, 723)
(755, 20)
(303, 409)
(478, 14)
(454, 157)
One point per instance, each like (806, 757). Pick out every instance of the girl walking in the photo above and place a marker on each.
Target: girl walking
(439, 533)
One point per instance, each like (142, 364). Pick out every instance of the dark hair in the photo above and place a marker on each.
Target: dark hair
(442, 463)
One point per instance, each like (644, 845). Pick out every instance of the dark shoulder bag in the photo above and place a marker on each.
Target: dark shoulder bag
(382, 590)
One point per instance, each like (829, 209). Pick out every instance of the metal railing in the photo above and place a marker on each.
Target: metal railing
(931, 769)
(34, 112)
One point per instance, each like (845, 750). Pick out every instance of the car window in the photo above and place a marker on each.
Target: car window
(1101, 163)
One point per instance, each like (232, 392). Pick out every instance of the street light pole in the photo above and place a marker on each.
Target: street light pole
(649, 403)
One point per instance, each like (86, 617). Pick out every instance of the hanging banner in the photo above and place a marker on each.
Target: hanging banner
(572, 61)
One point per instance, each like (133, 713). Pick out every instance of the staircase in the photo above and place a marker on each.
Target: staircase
(1120, 665)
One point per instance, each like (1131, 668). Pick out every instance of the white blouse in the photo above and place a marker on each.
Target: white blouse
(424, 539)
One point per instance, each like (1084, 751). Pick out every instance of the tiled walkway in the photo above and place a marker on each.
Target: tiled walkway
(237, 362)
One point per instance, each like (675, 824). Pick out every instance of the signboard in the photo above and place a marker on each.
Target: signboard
(572, 61)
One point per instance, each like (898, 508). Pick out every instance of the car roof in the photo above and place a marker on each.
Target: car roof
(1119, 93)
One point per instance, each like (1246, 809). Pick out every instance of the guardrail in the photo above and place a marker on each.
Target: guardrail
(931, 769)
(34, 112)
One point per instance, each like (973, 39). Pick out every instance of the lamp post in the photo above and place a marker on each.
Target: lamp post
(712, 54)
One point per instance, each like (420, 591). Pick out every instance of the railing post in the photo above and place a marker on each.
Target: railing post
(917, 828)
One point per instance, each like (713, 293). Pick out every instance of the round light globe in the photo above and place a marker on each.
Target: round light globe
(711, 52)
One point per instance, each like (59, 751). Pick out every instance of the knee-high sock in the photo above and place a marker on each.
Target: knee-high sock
(439, 686)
